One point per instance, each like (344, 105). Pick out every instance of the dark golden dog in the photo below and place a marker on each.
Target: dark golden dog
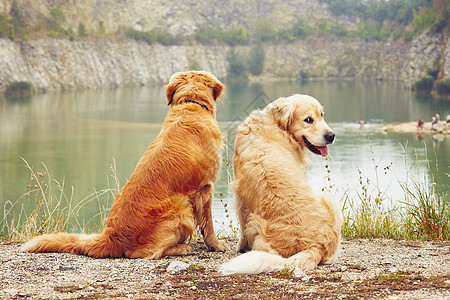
(169, 192)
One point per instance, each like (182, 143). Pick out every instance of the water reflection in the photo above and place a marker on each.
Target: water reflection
(77, 135)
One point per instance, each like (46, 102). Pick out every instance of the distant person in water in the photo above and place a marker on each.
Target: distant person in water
(361, 124)
(434, 120)
(448, 119)
(420, 124)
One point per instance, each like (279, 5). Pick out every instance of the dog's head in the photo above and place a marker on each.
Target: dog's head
(199, 86)
(302, 117)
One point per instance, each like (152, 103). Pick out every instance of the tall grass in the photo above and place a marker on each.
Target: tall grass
(422, 212)
(48, 208)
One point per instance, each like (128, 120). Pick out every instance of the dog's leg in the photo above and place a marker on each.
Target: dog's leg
(307, 259)
(203, 218)
(243, 213)
(179, 249)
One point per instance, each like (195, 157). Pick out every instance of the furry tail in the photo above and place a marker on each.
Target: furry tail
(95, 245)
(254, 262)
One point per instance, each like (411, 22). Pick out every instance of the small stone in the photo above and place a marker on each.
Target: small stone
(447, 282)
(12, 292)
(299, 272)
(177, 266)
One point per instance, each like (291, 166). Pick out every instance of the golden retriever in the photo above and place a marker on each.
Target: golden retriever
(169, 192)
(282, 221)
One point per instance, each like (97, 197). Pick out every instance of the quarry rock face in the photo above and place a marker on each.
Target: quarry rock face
(110, 61)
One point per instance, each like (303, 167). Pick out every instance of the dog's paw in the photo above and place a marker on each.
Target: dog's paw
(220, 246)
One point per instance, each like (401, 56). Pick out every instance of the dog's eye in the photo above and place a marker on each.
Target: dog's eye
(309, 120)
(321, 114)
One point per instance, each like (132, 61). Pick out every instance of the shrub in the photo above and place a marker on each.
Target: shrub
(424, 85)
(165, 39)
(256, 60)
(82, 30)
(207, 34)
(236, 66)
(263, 31)
(443, 87)
(6, 28)
(235, 37)
(19, 89)
(18, 21)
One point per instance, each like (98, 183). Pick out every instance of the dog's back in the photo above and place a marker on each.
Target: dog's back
(155, 211)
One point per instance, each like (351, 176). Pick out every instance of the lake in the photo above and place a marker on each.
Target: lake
(79, 135)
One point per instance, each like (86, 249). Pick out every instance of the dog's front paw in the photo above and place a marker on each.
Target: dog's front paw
(219, 246)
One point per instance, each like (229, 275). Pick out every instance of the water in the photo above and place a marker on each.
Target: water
(78, 135)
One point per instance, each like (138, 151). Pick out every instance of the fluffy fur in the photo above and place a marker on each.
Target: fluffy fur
(169, 192)
(282, 221)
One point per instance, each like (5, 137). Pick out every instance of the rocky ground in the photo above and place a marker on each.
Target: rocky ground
(440, 128)
(365, 269)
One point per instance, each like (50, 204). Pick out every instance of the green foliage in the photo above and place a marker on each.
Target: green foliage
(70, 33)
(443, 87)
(232, 37)
(165, 38)
(424, 85)
(6, 28)
(408, 35)
(19, 89)
(423, 18)
(369, 31)
(256, 60)
(207, 34)
(57, 19)
(332, 29)
(101, 28)
(263, 30)
(236, 66)
(150, 37)
(18, 21)
(82, 30)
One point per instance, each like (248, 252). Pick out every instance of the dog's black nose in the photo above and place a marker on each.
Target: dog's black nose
(329, 137)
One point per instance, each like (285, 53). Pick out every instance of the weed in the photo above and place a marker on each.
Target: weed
(47, 208)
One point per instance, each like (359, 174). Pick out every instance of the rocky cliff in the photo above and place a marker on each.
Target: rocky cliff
(54, 64)
(173, 16)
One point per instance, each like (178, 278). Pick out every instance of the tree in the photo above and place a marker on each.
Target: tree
(263, 31)
(6, 28)
(82, 30)
(236, 66)
(18, 21)
(256, 60)
(57, 18)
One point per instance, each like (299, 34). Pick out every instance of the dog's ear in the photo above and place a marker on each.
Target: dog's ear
(283, 114)
(217, 90)
(170, 91)
(172, 87)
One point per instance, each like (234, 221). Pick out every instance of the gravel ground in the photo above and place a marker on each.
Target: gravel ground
(365, 269)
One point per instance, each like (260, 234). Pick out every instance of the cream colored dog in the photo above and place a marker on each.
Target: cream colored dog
(282, 221)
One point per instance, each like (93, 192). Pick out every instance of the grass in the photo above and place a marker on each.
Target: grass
(47, 207)
(421, 213)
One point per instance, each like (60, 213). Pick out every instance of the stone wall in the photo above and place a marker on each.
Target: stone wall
(55, 64)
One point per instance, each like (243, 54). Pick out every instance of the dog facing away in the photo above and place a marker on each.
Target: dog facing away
(169, 192)
(282, 221)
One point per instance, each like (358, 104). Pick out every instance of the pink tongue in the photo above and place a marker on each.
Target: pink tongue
(323, 151)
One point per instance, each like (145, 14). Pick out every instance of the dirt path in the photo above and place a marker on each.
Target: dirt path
(366, 269)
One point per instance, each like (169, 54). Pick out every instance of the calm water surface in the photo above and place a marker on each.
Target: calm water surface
(78, 136)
